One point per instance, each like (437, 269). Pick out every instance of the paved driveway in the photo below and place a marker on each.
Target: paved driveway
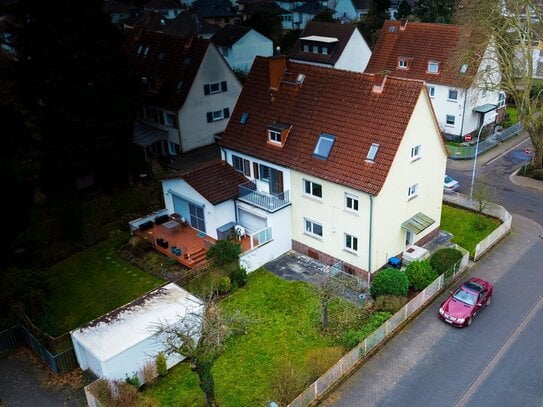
(26, 382)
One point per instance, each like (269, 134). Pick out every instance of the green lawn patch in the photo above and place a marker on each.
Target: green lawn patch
(466, 226)
(511, 116)
(91, 283)
(286, 324)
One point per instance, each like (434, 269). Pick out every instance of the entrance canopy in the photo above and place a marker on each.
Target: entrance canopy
(417, 223)
(145, 135)
(485, 108)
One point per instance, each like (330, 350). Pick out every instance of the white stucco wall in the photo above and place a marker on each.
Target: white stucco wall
(356, 55)
(242, 54)
(345, 9)
(215, 215)
(392, 206)
(195, 130)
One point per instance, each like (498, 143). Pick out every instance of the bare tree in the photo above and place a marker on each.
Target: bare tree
(326, 289)
(513, 29)
(200, 336)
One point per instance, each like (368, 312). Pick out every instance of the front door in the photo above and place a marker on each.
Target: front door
(409, 238)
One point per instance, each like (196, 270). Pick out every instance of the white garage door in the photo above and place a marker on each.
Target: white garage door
(250, 221)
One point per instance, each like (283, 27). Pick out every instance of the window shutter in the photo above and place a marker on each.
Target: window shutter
(255, 170)
(206, 90)
(247, 168)
(224, 88)
(209, 117)
(226, 113)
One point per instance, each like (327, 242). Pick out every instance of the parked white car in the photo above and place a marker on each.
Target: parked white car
(450, 184)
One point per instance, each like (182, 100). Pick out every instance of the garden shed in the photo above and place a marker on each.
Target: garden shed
(124, 340)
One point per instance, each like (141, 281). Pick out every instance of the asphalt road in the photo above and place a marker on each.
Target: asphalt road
(495, 362)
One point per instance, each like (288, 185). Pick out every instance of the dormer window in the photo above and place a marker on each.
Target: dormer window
(372, 152)
(306, 48)
(433, 67)
(403, 63)
(278, 133)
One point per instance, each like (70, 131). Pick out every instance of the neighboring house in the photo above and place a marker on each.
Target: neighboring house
(334, 45)
(189, 88)
(304, 13)
(120, 343)
(218, 12)
(216, 197)
(350, 10)
(247, 8)
(239, 45)
(118, 11)
(359, 156)
(186, 23)
(167, 8)
(427, 52)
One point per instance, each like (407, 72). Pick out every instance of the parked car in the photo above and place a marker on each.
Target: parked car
(450, 184)
(466, 302)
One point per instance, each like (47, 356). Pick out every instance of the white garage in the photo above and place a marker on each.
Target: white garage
(121, 342)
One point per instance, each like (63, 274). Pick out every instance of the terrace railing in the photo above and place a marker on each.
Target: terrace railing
(249, 193)
(261, 237)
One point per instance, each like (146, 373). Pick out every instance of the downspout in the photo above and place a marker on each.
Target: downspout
(463, 115)
(370, 239)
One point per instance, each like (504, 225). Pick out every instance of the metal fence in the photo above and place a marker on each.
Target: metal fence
(468, 152)
(353, 357)
(11, 337)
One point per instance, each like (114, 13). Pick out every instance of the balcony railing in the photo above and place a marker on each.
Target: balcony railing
(249, 193)
(261, 237)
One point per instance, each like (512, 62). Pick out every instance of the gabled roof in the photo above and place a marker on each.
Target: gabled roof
(216, 181)
(229, 35)
(168, 60)
(337, 102)
(185, 23)
(213, 8)
(341, 32)
(311, 8)
(163, 5)
(420, 43)
(263, 6)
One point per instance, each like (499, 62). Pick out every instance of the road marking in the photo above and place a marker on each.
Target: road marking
(492, 364)
(505, 152)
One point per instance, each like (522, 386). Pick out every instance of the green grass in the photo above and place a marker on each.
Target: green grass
(89, 284)
(511, 116)
(286, 325)
(466, 227)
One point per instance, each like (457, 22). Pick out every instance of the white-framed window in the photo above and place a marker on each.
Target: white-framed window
(217, 115)
(351, 202)
(464, 68)
(351, 243)
(312, 188)
(501, 99)
(264, 172)
(237, 163)
(453, 94)
(315, 49)
(312, 228)
(372, 152)
(402, 63)
(412, 191)
(450, 120)
(274, 136)
(416, 152)
(215, 87)
(306, 48)
(324, 50)
(432, 91)
(170, 120)
(433, 67)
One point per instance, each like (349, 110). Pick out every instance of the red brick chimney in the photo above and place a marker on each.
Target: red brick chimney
(379, 81)
(277, 66)
(403, 24)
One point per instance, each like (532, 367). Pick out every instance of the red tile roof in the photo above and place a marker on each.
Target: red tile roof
(216, 181)
(420, 43)
(342, 32)
(332, 101)
(169, 60)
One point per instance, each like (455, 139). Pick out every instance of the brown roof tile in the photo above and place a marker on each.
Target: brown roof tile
(216, 181)
(420, 42)
(342, 32)
(332, 101)
(169, 60)
(229, 34)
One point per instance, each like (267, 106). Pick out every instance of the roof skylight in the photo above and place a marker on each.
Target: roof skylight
(244, 117)
(464, 68)
(372, 152)
(324, 146)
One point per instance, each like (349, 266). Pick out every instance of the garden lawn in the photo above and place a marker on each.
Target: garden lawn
(466, 227)
(286, 324)
(91, 283)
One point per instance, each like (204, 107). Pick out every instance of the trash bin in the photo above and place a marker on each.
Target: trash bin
(395, 262)
(361, 298)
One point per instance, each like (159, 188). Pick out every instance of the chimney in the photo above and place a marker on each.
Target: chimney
(379, 83)
(403, 24)
(277, 66)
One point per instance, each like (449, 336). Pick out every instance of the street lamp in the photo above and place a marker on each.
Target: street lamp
(475, 158)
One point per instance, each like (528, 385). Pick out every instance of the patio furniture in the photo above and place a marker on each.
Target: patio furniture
(146, 225)
(176, 250)
(159, 220)
(240, 231)
(162, 243)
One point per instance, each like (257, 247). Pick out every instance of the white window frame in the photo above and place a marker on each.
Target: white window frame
(306, 48)
(433, 67)
(240, 161)
(432, 91)
(413, 191)
(501, 99)
(274, 136)
(402, 63)
(350, 243)
(416, 152)
(309, 189)
(324, 50)
(309, 228)
(217, 115)
(315, 49)
(351, 202)
(449, 97)
(449, 122)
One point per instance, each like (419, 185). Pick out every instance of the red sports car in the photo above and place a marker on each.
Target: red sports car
(466, 302)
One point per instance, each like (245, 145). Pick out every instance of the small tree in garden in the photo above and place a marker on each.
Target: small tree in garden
(327, 288)
(389, 281)
(483, 196)
(420, 274)
(201, 337)
(224, 252)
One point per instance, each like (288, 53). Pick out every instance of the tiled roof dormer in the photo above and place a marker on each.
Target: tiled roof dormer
(278, 133)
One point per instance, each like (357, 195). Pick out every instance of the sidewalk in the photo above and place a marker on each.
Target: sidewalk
(489, 155)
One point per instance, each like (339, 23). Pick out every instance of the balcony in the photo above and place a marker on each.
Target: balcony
(249, 193)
